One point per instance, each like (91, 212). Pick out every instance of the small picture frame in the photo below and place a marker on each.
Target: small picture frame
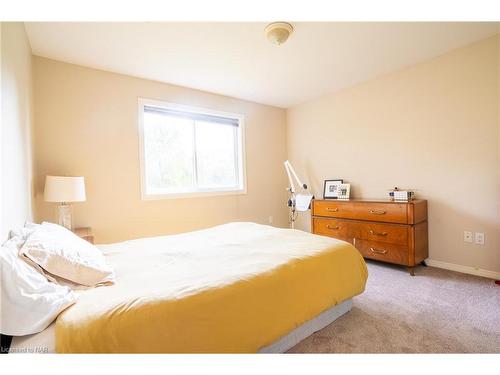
(331, 188)
(344, 191)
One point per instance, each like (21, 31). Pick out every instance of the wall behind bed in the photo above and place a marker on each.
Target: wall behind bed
(15, 129)
(434, 127)
(86, 124)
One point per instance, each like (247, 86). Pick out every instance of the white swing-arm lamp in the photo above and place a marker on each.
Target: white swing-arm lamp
(292, 200)
(291, 172)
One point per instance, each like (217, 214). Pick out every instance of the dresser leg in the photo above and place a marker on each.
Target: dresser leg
(411, 271)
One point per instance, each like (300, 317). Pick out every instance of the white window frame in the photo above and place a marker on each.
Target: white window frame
(241, 158)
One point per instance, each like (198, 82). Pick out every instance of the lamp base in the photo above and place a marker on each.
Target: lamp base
(64, 216)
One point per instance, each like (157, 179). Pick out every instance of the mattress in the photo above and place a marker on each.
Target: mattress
(235, 288)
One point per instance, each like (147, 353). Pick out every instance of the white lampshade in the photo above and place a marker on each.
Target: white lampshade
(64, 189)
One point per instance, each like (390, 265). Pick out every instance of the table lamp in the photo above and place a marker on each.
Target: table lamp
(64, 190)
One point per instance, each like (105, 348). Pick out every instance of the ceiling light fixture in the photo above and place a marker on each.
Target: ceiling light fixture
(278, 32)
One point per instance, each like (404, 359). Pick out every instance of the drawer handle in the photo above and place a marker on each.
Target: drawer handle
(378, 251)
(378, 212)
(332, 228)
(377, 233)
(332, 209)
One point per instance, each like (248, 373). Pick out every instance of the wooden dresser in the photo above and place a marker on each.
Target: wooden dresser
(393, 232)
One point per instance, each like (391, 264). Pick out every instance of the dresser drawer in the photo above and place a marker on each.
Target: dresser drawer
(385, 212)
(334, 228)
(380, 232)
(334, 209)
(391, 253)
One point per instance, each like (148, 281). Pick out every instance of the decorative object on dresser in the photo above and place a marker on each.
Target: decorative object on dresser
(397, 194)
(344, 191)
(85, 233)
(64, 190)
(330, 190)
(392, 232)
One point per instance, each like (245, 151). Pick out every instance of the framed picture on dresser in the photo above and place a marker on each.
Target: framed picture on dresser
(331, 189)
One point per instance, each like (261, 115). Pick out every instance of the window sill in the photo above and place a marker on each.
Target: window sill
(195, 194)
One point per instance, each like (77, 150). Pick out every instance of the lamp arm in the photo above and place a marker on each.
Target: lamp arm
(289, 169)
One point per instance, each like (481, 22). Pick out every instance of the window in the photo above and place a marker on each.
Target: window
(189, 151)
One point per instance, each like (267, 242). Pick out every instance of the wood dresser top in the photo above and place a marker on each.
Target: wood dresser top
(367, 200)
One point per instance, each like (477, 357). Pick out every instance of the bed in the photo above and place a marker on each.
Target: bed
(234, 288)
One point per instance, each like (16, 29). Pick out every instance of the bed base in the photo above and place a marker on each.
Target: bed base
(308, 328)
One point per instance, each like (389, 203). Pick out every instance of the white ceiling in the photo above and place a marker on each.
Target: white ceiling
(235, 59)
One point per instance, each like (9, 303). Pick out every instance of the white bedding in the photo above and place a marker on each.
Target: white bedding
(61, 253)
(29, 302)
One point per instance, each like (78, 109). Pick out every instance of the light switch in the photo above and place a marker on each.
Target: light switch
(479, 238)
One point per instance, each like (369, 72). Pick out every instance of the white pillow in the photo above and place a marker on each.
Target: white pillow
(24, 232)
(63, 254)
(29, 303)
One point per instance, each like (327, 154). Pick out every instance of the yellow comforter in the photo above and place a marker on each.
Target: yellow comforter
(233, 288)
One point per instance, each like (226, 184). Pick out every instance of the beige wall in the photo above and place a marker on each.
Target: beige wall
(86, 124)
(16, 123)
(433, 127)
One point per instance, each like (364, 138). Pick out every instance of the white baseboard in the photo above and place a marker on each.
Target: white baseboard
(464, 269)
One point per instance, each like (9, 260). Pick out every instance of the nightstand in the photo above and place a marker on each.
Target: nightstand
(85, 233)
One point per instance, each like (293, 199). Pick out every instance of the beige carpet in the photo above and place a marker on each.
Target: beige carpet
(437, 311)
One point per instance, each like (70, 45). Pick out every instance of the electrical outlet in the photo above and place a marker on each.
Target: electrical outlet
(271, 219)
(467, 236)
(479, 238)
